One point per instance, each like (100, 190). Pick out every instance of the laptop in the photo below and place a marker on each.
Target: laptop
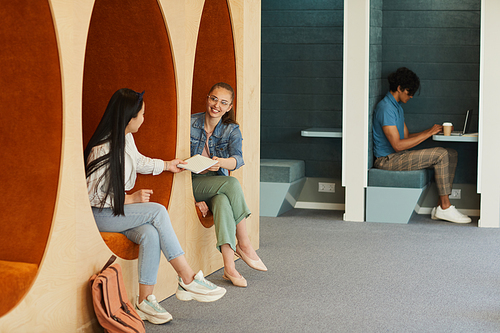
(465, 129)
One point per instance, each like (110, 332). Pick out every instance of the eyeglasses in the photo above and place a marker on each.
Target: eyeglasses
(214, 99)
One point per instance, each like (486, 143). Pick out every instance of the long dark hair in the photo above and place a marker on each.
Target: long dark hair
(124, 105)
(228, 117)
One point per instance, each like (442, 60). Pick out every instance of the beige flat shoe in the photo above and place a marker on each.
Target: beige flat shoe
(255, 264)
(237, 281)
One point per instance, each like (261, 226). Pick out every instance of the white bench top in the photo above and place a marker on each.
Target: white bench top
(319, 132)
(455, 138)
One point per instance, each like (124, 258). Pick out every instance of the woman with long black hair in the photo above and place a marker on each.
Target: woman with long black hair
(112, 164)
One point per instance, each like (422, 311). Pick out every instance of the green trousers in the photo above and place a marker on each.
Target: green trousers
(224, 197)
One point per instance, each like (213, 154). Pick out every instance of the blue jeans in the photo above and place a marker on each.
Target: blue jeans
(148, 225)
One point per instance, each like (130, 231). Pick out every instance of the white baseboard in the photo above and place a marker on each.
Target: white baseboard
(319, 205)
(336, 206)
(427, 211)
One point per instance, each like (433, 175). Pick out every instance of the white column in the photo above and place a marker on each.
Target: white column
(355, 107)
(489, 116)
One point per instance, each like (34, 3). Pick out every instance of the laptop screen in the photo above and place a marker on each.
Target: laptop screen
(466, 122)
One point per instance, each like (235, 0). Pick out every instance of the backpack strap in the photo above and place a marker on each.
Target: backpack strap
(110, 261)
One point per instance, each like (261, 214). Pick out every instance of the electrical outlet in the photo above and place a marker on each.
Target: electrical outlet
(456, 194)
(326, 187)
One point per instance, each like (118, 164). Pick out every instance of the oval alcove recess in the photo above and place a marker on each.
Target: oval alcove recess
(128, 47)
(214, 61)
(31, 140)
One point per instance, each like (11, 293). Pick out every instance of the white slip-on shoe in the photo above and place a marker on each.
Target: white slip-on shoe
(200, 290)
(433, 214)
(451, 214)
(152, 311)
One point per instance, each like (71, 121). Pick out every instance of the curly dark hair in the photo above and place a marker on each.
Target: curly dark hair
(406, 79)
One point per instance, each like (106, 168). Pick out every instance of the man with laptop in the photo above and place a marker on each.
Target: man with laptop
(392, 141)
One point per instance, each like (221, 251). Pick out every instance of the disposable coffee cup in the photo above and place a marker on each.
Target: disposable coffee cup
(447, 128)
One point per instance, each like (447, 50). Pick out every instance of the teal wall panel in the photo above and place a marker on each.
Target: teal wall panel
(302, 81)
(293, 5)
(271, 100)
(303, 35)
(376, 87)
(438, 40)
(300, 52)
(302, 73)
(431, 5)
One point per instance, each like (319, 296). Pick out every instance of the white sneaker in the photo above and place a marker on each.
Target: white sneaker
(451, 214)
(433, 214)
(200, 290)
(152, 311)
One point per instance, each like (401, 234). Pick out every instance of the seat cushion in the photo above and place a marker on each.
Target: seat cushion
(281, 171)
(15, 280)
(408, 179)
(121, 245)
(207, 221)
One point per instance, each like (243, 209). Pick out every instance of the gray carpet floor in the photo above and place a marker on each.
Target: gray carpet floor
(327, 275)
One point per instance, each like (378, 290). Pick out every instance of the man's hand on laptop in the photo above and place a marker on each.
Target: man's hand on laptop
(436, 129)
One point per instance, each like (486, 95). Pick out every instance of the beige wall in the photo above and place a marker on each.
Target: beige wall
(59, 300)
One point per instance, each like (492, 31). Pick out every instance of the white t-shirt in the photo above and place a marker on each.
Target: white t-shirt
(135, 163)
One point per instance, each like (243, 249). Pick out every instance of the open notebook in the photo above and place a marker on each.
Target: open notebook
(197, 163)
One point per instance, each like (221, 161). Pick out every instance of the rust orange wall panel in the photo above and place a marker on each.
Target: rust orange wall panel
(31, 141)
(215, 58)
(128, 47)
(214, 61)
(31, 128)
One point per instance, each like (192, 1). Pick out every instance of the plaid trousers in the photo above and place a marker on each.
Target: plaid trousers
(443, 160)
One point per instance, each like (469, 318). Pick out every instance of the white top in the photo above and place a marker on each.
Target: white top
(135, 163)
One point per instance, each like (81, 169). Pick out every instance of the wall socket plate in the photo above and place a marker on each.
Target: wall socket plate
(326, 187)
(456, 194)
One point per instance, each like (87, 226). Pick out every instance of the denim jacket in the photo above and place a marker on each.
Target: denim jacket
(225, 141)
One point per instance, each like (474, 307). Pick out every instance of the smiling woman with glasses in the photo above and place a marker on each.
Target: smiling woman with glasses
(216, 134)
